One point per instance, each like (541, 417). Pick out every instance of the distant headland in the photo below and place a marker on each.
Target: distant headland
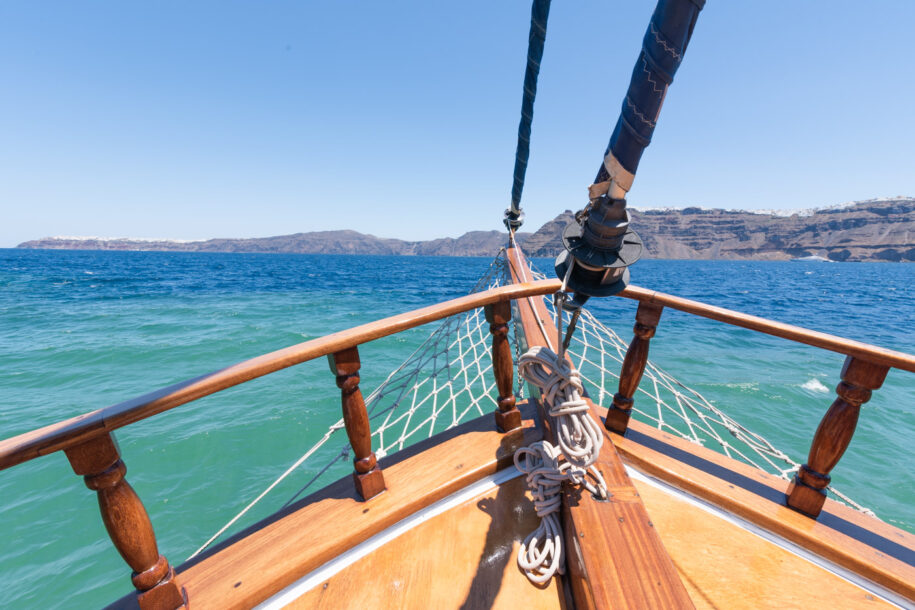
(874, 230)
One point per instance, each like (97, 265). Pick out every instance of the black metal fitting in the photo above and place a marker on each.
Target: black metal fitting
(513, 220)
(600, 248)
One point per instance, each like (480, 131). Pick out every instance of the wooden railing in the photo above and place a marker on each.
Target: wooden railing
(60, 436)
(865, 368)
(872, 353)
(89, 444)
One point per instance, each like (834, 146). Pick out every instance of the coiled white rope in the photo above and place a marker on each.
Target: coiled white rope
(540, 555)
(579, 441)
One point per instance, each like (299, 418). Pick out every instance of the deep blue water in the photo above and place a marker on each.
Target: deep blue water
(81, 330)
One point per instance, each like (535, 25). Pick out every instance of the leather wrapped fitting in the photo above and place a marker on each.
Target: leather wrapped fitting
(607, 224)
(600, 250)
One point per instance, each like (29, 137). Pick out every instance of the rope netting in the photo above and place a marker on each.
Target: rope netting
(446, 381)
(668, 405)
(449, 380)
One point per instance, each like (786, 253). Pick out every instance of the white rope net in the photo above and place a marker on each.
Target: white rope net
(446, 381)
(449, 380)
(668, 405)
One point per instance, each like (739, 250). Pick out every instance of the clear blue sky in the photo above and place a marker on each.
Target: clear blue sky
(240, 119)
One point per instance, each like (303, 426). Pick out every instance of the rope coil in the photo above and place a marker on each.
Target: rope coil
(579, 441)
(541, 554)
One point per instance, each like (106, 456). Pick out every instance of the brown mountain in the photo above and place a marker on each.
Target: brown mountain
(876, 230)
(880, 229)
(474, 243)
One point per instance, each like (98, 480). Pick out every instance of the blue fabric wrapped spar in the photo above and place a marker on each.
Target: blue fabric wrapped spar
(663, 47)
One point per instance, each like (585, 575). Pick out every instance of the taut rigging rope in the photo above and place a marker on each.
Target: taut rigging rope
(540, 11)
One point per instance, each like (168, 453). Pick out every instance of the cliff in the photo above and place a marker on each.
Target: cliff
(876, 230)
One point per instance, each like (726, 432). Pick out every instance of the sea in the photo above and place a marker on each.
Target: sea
(80, 330)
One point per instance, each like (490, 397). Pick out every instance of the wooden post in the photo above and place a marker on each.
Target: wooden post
(807, 492)
(646, 321)
(367, 476)
(508, 417)
(128, 524)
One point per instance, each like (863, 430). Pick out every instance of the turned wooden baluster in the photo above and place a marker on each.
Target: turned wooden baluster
(368, 477)
(646, 321)
(807, 492)
(99, 461)
(508, 417)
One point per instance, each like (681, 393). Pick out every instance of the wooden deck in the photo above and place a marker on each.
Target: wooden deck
(725, 566)
(250, 567)
(466, 558)
(861, 544)
(463, 554)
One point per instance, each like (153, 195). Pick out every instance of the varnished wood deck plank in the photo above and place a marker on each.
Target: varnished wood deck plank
(275, 553)
(866, 546)
(649, 436)
(463, 558)
(466, 558)
(725, 566)
(877, 551)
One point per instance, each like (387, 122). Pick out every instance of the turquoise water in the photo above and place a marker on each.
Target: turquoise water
(81, 330)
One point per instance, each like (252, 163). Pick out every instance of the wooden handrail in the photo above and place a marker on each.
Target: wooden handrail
(865, 369)
(76, 430)
(73, 431)
(877, 355)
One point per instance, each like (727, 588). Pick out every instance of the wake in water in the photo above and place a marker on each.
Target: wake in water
(816, 386)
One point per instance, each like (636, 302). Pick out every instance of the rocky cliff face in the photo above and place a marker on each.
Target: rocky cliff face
(877, 230)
